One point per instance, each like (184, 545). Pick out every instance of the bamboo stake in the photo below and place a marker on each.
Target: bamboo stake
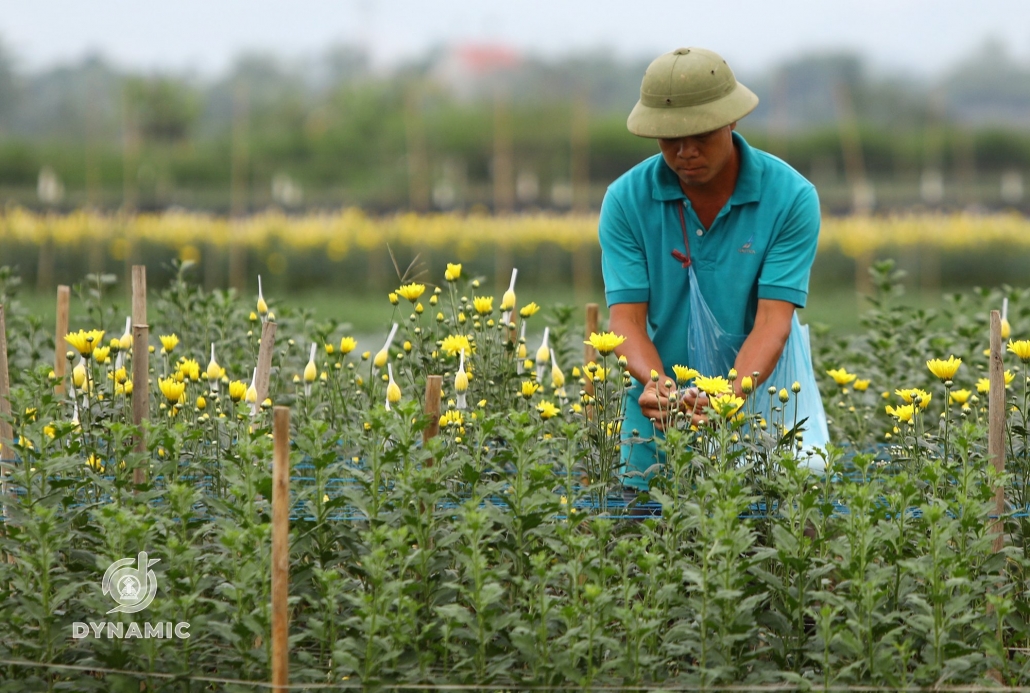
(280, 547)
(139, 295)
(264, 364)
(140, 363)
(996, 426)
(434, 385)
(589, 354)
(60, 362)
(6, 432)
(140, 391)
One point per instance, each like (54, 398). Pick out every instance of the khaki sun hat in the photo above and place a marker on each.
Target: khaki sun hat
(687, 92)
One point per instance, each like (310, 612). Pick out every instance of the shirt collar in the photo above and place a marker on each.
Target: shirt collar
(666, 185)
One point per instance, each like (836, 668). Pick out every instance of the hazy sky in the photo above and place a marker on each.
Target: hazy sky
(922, 36)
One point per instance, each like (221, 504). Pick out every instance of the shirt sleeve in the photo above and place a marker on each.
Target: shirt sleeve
(788, 261)
(623, 263)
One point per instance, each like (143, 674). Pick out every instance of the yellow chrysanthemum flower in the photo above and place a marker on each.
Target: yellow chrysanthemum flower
(100, 354)
(944, 370)
(85, 341)
(861, 385)
(529, 310)
(605, 342)
(393, 393)
(529, 388)
(168, 342)
(903, 413)
(451, 418)
(910, 394)
(983, 385)
(596, 372)
(453, 272)
(1006, 329)
(713, 386)
(1021, 348)
(171, 389)
(484, 305)
(959, 396)
(347, 345)
(841, 376)
(189, 368)
(726, 405)
(547, 409)
(747, 384)
(684, 374)
(454, 343)
(237, 390)
(412, 292)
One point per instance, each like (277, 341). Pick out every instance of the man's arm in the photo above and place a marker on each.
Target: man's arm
(630, 321)
(763, 347)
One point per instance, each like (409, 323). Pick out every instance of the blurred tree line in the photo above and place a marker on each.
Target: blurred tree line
(463, 128)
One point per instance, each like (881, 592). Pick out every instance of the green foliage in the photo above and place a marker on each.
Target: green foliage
(495, 553)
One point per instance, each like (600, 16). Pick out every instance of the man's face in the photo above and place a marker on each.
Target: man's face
(698, 159)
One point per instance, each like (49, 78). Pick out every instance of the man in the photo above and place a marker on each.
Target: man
(746, 221)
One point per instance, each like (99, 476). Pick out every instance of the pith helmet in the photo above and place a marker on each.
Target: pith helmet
(687, 92)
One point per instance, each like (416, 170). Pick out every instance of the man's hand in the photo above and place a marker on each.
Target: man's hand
(657, 401)
(694, 402)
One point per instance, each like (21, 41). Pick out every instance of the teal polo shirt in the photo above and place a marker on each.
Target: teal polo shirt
(760, 246)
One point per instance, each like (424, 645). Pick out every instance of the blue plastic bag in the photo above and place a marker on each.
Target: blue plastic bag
(713, 351)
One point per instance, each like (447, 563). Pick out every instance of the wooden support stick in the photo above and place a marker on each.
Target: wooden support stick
(434, 385)
(5, 390)
(996, 426)
(589, 354)
(264, 364)
(140, 362)
(60, 347)
(280, 546)
(139, 295)
(140, 391)
(6, 432)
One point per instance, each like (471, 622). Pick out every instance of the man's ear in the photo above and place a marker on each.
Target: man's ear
(733, 125)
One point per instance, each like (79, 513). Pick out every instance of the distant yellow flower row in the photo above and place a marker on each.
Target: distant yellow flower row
(340, 233)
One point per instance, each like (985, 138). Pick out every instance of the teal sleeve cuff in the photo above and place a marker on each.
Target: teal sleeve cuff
(783, 293)
(627, 296)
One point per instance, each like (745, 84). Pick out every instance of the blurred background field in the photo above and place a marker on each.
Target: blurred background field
(301, 143)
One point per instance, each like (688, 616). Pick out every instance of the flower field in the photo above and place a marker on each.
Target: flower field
(319, 249)
(500, 552)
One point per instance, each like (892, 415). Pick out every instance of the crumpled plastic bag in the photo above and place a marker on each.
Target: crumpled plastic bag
(712, 351)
